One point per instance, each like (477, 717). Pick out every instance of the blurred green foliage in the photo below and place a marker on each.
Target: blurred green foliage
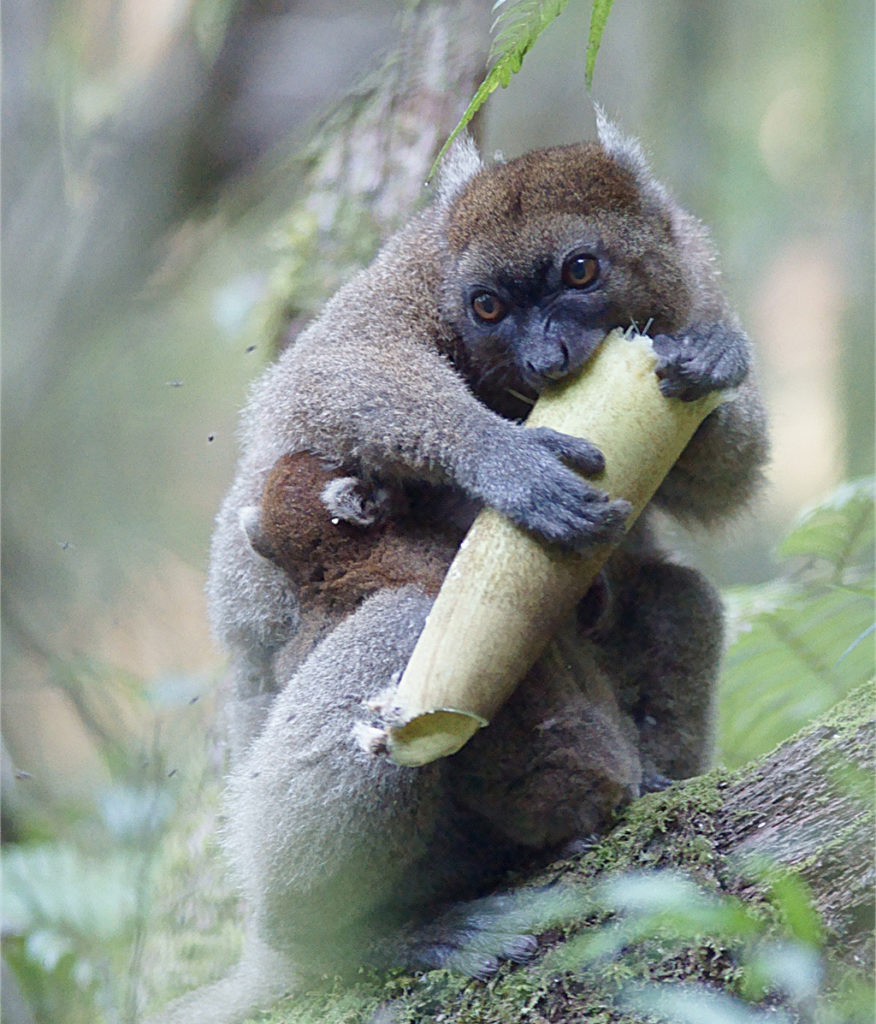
(804, 640)
(79, 910)
(648, 916)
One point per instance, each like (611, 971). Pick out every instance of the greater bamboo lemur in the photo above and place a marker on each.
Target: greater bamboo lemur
(386, 425)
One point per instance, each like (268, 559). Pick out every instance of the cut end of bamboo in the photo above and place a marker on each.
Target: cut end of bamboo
(432, 735)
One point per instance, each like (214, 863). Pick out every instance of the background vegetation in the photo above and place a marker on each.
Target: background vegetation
(145, 224)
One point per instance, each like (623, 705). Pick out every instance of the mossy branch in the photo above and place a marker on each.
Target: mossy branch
(806, 809)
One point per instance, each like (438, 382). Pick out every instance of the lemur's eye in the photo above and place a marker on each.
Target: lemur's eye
(580, 271)
(488, 307)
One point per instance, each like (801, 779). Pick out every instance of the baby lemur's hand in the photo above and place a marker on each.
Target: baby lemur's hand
(701, 359)
(529, 475)
(355, 501)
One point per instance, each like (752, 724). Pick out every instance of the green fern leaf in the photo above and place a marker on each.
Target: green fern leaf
(598, 18)
(517, 27)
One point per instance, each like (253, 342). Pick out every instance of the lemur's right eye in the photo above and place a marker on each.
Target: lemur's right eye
(580, 271)
(488, 307)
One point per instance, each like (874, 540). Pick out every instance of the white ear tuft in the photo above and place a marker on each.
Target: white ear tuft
(249, 518)
(622, 148)
(458, 166)
(628, 152)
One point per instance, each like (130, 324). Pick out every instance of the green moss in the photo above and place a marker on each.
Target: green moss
(851, 713)
(669, 829)
(336, 1005)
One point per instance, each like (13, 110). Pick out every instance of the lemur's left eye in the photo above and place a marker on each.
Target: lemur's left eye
(580, 271)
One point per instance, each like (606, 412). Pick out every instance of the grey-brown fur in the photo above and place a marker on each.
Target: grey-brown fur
(398, 392)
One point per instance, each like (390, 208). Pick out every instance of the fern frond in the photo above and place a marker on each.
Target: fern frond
(516, 28)
(839, 530)
(598, 18)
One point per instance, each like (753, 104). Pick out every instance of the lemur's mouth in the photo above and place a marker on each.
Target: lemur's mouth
(528, 399)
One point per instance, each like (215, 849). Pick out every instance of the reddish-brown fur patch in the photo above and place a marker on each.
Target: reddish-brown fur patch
(336, 565)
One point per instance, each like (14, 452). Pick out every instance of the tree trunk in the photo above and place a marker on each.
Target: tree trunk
(363, 171)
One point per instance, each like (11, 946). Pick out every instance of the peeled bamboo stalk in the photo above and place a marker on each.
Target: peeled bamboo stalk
(507, 592)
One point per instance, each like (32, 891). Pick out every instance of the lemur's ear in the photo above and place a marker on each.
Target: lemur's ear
(628, 152)
(458, 166)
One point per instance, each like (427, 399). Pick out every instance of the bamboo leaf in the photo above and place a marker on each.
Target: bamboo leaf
(598, 19)
(517, 27)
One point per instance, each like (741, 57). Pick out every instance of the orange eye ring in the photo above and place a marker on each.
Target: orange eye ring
(580, 271)
(488, 307)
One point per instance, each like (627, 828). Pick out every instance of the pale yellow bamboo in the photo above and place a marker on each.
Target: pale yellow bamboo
(506, 591)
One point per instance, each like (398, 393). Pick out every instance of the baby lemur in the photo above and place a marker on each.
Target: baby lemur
(367, 449)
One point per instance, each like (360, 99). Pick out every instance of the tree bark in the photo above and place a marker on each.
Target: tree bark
(809, 806)
(363, 171)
